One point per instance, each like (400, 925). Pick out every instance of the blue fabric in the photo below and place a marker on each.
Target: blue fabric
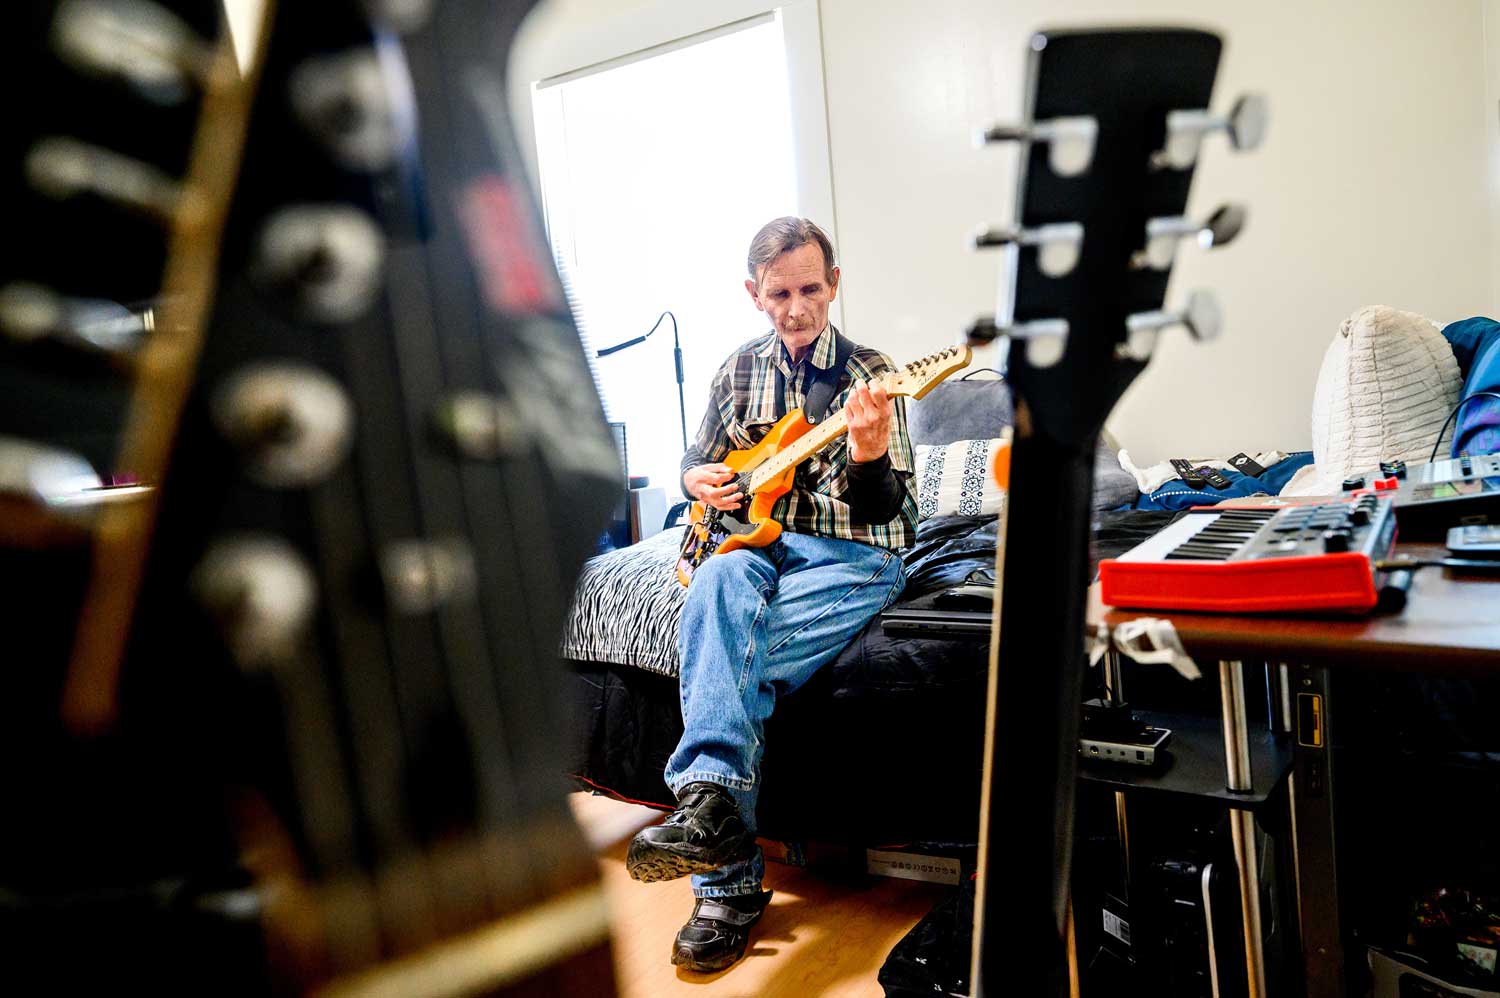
(1176, 494)
(1476, 346)
(756, 624)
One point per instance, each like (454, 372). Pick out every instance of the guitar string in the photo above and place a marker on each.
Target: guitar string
(471, 668)
(491, 498)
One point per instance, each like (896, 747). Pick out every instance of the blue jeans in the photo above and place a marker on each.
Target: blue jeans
(756, 624)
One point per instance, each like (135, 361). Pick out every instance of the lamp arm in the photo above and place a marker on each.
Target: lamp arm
(676, 358)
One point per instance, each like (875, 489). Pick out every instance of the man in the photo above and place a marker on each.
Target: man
(757, 623)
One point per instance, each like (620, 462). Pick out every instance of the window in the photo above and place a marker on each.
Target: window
(656, 169)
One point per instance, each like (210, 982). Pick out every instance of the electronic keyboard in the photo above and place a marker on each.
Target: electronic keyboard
(1430, 498)
(1258, 559)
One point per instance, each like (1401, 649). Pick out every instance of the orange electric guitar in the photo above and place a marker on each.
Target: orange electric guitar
(765, 471)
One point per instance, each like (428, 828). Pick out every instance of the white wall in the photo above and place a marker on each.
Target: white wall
(1377, 182)
(1492, 114)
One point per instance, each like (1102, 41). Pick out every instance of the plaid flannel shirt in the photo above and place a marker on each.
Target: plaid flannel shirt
(742, 408)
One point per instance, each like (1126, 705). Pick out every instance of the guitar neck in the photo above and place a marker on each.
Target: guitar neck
(915, 380)
(804, 447)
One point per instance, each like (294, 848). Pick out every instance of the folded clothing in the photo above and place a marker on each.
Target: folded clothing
(1176, 494)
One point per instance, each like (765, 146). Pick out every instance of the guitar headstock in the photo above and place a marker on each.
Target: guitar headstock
(1114, 125)
(920, 376)
(300, 680)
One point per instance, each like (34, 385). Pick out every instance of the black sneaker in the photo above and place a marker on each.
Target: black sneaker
(718, 932)
(704, 833)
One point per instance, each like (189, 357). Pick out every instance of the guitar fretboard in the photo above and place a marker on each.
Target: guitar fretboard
(801, 449)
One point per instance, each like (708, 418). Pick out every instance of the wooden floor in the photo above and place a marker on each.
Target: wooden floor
(824, 934)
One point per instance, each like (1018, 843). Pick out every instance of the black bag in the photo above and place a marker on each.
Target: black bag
(933, 958)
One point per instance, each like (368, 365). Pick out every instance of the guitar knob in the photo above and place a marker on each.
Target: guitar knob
(345, 101)
(293, 423)
(325, 260)
(1335, 541)
(263, 594)
(420, 576)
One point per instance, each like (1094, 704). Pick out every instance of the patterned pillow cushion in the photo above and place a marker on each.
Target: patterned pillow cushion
(955, 479)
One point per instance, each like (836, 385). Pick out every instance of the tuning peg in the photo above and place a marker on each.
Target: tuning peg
(419, 576)
(478, 426)
(1046, 339)
(263, 594)
(1162, 234)
(1058, 244)
(142, 43)
(292, 422)
(1201, 317)
(1245, 124)
(347, 101)
(1071, 139)
(63, 168)
(326, 260)
(30, 312)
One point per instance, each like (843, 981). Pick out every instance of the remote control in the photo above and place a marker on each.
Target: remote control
(1188, 473)
(1215, 478)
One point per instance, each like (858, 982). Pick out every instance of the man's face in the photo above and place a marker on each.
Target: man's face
(794, 292)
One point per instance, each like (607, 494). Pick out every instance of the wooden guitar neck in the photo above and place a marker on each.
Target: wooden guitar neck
(820, 436)
(914, 380)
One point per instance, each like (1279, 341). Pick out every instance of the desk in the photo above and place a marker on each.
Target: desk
(1450, 627)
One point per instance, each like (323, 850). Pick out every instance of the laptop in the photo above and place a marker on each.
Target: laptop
(956, 612)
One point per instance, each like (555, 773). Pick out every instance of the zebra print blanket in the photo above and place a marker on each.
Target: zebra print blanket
(626, 606)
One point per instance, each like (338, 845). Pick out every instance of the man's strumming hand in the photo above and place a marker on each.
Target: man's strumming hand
(869, 411)
(714, 485)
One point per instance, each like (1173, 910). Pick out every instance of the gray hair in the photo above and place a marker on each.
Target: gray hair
(781, 235)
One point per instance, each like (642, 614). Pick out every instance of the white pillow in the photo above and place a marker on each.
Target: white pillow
(1387, 383)
(956, 478)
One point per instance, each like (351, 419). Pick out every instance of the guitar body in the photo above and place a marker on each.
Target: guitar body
(767, 471)
(755, 528)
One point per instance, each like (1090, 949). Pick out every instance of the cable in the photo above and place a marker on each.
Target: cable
(1410, 564)
(1461, 403)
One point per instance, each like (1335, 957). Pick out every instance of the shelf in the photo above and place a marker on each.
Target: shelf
(1193, 763)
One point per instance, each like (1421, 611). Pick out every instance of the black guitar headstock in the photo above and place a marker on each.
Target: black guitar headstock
(1114, 125)
(296, 714)
(1115, 122)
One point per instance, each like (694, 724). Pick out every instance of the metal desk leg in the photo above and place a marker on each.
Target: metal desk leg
(1242, 822)
(1312, 815)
